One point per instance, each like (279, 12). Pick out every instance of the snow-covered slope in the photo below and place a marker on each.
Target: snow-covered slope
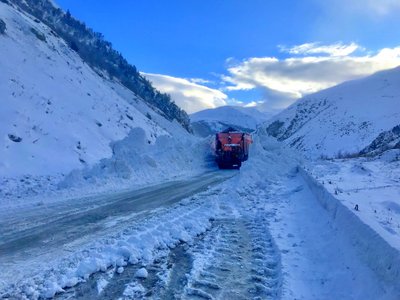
(209, 121)
(341, 120)
(57, 114)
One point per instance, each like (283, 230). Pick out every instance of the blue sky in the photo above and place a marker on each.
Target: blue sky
(241, 52)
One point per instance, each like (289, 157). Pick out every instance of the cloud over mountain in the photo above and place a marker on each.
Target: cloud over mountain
(309, 68)
(187, 93)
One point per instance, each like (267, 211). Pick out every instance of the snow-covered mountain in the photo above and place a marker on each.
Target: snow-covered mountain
(57, 114)
(209, 121)
(342, 120)
(100, 55)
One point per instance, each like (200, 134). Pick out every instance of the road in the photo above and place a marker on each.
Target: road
(55, 231)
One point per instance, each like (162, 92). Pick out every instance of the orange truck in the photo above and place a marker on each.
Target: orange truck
(231, 148)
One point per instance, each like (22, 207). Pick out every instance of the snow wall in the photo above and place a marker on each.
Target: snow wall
(378, 254)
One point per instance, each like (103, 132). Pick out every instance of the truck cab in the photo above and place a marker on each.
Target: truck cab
(231, 148)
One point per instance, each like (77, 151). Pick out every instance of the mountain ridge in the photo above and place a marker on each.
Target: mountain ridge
(342, 119)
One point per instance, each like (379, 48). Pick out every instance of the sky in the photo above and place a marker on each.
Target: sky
(263, 53)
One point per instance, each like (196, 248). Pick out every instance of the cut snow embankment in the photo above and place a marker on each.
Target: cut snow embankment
(378, 249)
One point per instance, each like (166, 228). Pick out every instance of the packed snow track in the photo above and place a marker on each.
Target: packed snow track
(235, 259)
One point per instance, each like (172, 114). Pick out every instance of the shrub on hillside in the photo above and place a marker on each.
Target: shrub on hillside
(3, 26)
(38, 34)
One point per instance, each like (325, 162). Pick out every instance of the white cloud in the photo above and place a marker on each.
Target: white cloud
(254, 103)
(199, 80)
(338, 49)
(189, 95)
(284, 80)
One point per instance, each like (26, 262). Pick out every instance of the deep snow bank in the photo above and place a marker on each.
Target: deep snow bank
(136, 161)
(376, 252)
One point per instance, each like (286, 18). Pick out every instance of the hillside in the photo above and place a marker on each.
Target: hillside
(100, 55)
(209, 121)
(344, 119)
(57, 114)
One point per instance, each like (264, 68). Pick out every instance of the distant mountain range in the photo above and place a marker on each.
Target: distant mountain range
(210, 121)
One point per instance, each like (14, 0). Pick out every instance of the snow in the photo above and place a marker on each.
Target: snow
(101, 284)
(373, 184)
(381, 257)
(133, 291)
(141, 273)
(318, 261)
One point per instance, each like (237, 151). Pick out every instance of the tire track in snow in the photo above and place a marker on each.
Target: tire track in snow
(238, 260)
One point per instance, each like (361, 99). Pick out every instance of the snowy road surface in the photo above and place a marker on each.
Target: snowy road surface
(31, 237)
(259, 233)
(235, 259)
